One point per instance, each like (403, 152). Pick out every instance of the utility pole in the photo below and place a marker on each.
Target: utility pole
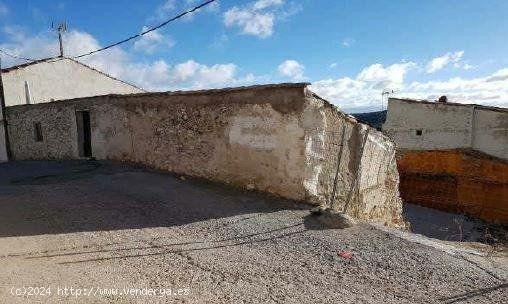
(3, 118)
(61, 28)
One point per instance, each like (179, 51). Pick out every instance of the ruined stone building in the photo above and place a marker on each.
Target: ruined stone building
(452, 156)
(281, 139)
(56, 79)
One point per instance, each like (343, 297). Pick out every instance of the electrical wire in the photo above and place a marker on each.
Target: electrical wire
(190, 11)
(16, 57)
(147, 31)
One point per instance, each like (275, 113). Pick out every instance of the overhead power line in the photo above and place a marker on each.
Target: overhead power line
(147, 31)
(190, 11)
(15, 56)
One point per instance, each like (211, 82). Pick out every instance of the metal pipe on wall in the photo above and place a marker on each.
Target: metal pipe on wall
(3, 118)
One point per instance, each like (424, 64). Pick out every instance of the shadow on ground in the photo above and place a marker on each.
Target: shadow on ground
(453, 227)
(72, 196)
(470, 295)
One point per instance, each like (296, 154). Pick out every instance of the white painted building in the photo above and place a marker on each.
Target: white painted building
(58, 79)
(424, 125)
(53, 79)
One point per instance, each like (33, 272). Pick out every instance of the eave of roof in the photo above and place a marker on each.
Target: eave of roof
(421, 101)
(24, 65)
(173, 93)
(53, 59)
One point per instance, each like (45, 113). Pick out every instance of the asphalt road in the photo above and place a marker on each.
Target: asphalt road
(99, 232)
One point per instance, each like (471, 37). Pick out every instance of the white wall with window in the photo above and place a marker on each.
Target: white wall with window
(423, 125)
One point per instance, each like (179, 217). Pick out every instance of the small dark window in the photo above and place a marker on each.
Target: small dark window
(419, 132)
(38, 131)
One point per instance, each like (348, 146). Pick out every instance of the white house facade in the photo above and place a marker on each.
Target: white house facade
(53, 79)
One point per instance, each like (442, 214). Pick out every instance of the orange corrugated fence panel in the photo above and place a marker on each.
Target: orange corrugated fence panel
(456, 181)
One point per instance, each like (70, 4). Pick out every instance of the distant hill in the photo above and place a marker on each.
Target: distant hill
(374, 119)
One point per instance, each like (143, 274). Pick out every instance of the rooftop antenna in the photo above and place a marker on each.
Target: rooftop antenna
(60, 28)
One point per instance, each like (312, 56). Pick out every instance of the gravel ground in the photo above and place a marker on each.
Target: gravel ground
(454, 227)
(103, 228)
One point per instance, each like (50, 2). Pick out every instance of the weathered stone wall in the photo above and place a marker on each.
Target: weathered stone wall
(280, 139)
(350, 167)
(58, 123)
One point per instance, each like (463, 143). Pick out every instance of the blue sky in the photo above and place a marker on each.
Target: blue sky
(349, 50)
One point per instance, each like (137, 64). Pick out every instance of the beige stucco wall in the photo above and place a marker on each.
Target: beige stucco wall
(443, 127)
(58, 80)
(278, 139)
(447, 126)
(491, 132)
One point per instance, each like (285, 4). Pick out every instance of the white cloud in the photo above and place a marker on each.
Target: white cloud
(489, 90)
(390, 77)
(219, 42)
(163, 11)
(197, 75)
(466, 66)
(151, 41)
(184, 71)
(213, 7)
(169, 8)
(259, 17)
(499, 76)
(363, 93)
(365, 89)
(345, 92)
(3, 9)
(252, 23)
(161, 76)
(168, 5)
(18, 43)
(157, 75)
(292, 69)
(439, 63)
(262, 4)
(347, 42)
